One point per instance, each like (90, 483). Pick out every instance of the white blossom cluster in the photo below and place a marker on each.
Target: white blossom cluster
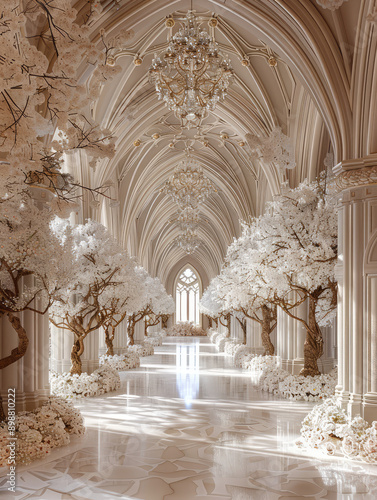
(270, 377)
(143, 349)
(329, 429)
(155, 338)
(39, 431)
(185, 329)
(121, 362)
(220, 341)
(297, 387)
(242, 355)
(276, 148)
(232, 346)
(102, 380)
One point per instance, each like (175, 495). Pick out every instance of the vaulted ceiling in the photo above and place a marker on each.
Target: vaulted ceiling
(294, 65)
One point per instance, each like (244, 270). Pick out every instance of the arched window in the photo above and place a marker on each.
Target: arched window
(187, 297)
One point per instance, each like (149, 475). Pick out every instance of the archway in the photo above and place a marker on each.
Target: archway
(187, 289)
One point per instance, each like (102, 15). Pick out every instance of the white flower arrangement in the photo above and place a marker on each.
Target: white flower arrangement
(102, 380)
(155, 338)
(269, 376)
(220, 341)
(242, 355)
(144, 349)
(231, 346)
(329, 429)
(39, 431)
(122, 362)
(263, 363)
(186, 329)
(153, 341)
(297, 387)
(213, 334)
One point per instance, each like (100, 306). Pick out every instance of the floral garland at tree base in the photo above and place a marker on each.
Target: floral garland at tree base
(144, 349)
(38, 432)
(330, 430)
(155, 338)
(121, 362)
(225, 344)
(102, 380)
(271, 377)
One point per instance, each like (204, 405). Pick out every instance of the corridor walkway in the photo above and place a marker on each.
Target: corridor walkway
(187, 425)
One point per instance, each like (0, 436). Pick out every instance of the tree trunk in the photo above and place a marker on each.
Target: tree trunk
(243, 325)
(109, 338)
(131, 332)
(269, 349)
(227, 318)
(313, 346)
(76, 352)
(164, 321)
(23, 342)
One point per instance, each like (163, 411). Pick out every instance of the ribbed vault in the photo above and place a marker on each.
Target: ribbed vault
(291, 71)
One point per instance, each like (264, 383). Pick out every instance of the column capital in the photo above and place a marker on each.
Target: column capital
(356, 173)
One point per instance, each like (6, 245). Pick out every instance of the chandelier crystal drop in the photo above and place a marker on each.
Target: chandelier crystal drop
(188, 186)
(191, 75)
(188, 241)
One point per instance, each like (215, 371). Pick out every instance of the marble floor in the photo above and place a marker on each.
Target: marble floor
(186, 425)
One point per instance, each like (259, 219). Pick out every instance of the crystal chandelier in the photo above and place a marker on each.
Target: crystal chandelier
(188, 219)
(191, 75)
(188, 241)
(188, 186)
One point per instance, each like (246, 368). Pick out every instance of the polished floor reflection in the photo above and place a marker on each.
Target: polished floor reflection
(187, 425)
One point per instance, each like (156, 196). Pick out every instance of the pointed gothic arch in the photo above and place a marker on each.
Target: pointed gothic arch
(187, 293)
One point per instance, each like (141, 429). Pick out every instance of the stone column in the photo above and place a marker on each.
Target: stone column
(357, 273)
(286, 336)
(29, 375)
(254, 339)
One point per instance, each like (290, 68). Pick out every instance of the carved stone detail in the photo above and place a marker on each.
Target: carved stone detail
(331, 4)
(355, 178)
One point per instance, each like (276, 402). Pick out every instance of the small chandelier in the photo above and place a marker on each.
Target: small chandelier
(188, 241)
(191, 75)
(188, 186)
(188, 219)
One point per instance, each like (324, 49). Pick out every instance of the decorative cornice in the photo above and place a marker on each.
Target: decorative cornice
(356, 173)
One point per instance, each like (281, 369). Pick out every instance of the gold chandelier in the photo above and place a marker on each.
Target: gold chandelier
(188, 186)
(191, 75)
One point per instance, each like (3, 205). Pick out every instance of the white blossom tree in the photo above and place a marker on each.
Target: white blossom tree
(241, 288)
(44, 42)
(126, 296)
(297, 239)
(157, 303)
(31, 263)
(212, 305)
(80, 306)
